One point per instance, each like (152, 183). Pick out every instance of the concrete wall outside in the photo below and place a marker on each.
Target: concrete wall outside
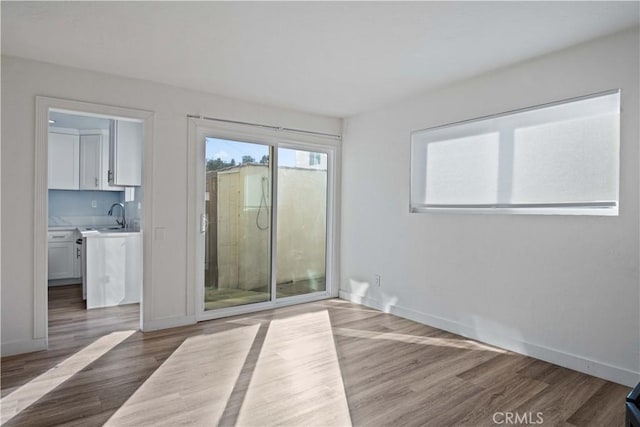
(244, 226)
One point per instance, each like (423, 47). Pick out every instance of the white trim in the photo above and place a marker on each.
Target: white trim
(243, 133)
(503, 125)
(43, 105)
(521, 110)
(19, 347)
(336, 209)
(273, 152)
(605, 211)
(192, 293)
(197, 130)
(362, 300)
(265, 126)
(262, 306)
(558, 357)
(40, 222)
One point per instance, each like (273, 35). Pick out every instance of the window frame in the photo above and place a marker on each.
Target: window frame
(599, 208)
(198, 129)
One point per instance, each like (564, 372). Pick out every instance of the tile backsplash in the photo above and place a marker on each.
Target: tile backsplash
(73, 203)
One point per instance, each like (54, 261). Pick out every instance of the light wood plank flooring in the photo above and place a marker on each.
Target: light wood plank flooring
(327, 363)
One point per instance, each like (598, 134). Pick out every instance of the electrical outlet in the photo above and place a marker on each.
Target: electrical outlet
(376, 279)
(94, 204)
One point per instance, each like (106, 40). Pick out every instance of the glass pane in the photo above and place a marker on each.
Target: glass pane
(302, 219)
(566, 161)
(463, 169)
(238, 239)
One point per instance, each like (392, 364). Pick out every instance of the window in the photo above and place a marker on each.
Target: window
(314, 159)
(559, 158)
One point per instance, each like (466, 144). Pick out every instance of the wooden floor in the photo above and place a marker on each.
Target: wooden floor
(327, 363)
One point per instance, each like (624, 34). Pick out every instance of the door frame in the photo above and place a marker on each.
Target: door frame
(41, 202)
(198, 129)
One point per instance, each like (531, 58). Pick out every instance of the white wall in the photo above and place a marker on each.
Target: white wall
(561, 288)
(22, 80)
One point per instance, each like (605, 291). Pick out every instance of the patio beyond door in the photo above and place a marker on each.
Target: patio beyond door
(256, 250)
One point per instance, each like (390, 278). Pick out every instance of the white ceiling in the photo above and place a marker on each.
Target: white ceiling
(333, 58)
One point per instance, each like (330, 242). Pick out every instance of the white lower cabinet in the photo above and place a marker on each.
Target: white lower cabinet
(61, 260)
(113, 271)
(63, 256)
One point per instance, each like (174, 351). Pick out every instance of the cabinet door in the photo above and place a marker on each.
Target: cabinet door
(106, 185)
(113, 271)
(90, 162)
(125, 160)
(61, 260)
(64, 161)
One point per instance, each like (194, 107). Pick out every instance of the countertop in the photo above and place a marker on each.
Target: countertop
(121, 232)
(97, 231)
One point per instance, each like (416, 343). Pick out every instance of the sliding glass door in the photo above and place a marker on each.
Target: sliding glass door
(237, 198)
(263, 224)
(302, 222)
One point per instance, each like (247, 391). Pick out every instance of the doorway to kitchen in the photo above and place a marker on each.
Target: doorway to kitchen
(264, 208)
(90, 217)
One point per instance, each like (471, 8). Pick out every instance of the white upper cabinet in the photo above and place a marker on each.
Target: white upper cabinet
(125, 160)
(64, 159)
(90, 162)
(94, 161)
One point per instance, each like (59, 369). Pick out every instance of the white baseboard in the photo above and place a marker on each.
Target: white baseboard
(557, 357)
(64, 282)
(361, 299)
(19, 347)
(168, 322)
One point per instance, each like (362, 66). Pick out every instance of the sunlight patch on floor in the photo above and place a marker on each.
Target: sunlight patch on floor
(193, 385)
(20, 399)
(417, 339)
(297, 380)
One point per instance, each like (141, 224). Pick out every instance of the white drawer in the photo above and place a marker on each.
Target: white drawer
(61, 236)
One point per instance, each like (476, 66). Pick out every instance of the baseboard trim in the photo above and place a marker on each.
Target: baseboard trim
(361, 299)
(64, 282)
(19, 347)
(577, 363)
(168, 322)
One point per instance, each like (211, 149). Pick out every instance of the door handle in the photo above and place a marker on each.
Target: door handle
(204, 223)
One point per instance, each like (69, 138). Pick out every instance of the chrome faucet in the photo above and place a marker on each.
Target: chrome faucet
(122, 223)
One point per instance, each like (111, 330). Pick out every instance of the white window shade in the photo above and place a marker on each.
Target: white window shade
(462, 169)
(560, 158)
